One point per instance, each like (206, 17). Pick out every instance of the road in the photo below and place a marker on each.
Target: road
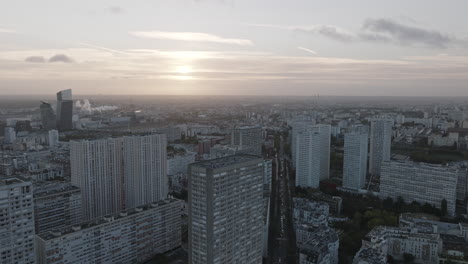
(282, 246)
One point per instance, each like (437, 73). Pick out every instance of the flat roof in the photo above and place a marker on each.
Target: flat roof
(225, 161)
(52, 234)
(10, 181)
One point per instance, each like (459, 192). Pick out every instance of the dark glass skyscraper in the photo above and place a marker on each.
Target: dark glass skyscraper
(65, 110)
(48, 119)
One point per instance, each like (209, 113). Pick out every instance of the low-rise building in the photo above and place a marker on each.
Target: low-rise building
(56, 205)
(449, 140)
(420, 182)
(16, 221)
(134, 236)
(310, 212)
(370, 255)
(398, 241)
(318, 244)
(219, 151)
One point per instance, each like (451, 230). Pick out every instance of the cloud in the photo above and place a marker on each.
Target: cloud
(308, 50)
(383, 30)
(254, 72)
(328, 31)
(115, 9)
(103, 48)
(389, 30)
(35, 59)
(190, 36)
(61, 58)
(7, 30)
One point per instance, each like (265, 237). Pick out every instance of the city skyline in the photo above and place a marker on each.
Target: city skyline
(188, 47)
(188, 179)
(234, 132)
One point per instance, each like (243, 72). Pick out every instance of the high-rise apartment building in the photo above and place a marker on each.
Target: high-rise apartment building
(226, 210)
(267, 178)
(48, 118)
(10, 135)
(132, 236)
(118, 173)
(355, 157)
(53, 138)
(56, 205)
(420, 182)
(178, 163)
(16, 221)
(298, 126)
(380, 144)
(313, 155)
(145, 169)
(248, 137)
(65, 110)
(96, 168)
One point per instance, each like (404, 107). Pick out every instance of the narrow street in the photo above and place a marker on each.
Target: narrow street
(282, 244)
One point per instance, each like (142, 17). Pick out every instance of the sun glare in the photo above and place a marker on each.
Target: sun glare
(183, 69)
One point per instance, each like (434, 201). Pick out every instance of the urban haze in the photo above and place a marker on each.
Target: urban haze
(234, 132)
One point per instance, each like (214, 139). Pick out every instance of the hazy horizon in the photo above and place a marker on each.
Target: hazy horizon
(235, 47)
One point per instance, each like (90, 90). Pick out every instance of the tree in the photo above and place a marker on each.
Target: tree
(388, 203)
(357, 221)
(430, 209)
(277, 142)
(443, 207)
(399, 204)
(408, 258)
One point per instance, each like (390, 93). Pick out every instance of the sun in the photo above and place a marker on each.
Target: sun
(184, 69)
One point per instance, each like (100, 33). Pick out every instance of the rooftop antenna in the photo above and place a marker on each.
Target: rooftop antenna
(318, 100)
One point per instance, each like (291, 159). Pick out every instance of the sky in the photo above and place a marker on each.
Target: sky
(235, 47)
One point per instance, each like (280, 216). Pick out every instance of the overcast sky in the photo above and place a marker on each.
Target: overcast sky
(235, 47)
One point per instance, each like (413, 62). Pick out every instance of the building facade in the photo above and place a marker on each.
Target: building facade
(219, 151)
(53, 138)
(355, 157)
(317, 244)
(119, 173)
(248, 137)
(10, 135)
(65, 110)
(420, 182)
(313, 156)
(380, 144)
(298, 126)
(226, 210)
(48, 118)
(133, 236)
(16, 221)
(178, 163)
(145, 169)
(97, 169)
(385, 241)
(309, 212)
(56, 205)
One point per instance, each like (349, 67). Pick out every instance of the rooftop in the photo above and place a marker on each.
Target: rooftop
(110, 218)
(248, 127)
(50, 188)
(422, 216)
(318, 236)
(225, 161)
(10, 181)
(371, 255)
(381, 233)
